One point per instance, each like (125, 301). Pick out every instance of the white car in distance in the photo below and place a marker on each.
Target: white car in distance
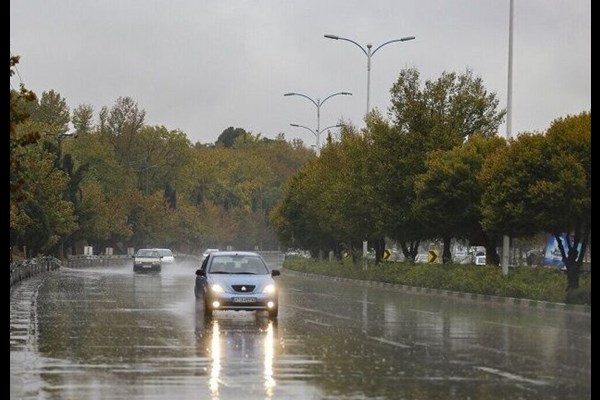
(167, 256)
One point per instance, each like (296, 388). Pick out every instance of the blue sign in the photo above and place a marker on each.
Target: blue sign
(552, 256)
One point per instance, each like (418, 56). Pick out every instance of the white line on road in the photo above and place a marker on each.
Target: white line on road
(310, 321)
(511, 376)
(382, 340)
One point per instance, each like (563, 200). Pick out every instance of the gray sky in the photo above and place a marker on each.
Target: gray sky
(202, 66)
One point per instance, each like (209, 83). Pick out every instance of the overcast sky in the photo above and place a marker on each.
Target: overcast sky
(202, 66)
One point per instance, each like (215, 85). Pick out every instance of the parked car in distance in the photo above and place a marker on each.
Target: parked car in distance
(167, 256)
(147, 260)
(236, 280)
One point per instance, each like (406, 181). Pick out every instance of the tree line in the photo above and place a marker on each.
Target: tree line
(436, 168)
(433, 167)
(115, 181)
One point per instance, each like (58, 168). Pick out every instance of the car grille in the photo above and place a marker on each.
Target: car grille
(243, 288)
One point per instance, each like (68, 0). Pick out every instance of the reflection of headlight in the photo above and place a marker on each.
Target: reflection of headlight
(269, 289)
(216, 288)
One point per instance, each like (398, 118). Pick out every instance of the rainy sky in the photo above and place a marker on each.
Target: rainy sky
(202, 66)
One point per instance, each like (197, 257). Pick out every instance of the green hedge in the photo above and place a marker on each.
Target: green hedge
(541, 283)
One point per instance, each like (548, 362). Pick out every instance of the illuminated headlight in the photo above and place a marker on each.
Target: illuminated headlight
(216, 288)
(269, 289)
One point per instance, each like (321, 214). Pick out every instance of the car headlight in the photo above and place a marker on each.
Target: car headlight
(217, 288)
(269, 289)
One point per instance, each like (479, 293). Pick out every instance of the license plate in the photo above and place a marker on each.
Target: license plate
(244, 299)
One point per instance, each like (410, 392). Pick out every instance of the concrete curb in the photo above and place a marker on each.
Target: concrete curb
(510, 301)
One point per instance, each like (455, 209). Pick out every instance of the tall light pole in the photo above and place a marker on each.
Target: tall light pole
(369, 54)
(318, 103)
(315, 133)
(506, 238)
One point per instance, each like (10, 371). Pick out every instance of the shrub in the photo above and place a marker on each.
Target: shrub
(533, 283)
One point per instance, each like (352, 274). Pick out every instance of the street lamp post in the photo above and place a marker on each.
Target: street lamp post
(318, 103)
(369, 54)
(315, 133)
(506, 238)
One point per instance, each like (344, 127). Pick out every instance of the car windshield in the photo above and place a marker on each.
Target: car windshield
(148, 253)
(165, 252)
(236, 264)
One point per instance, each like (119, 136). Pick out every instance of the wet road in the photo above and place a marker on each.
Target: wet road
(107, 333)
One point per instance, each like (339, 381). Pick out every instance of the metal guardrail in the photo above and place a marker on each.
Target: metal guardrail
(21, 270)
(97, 261)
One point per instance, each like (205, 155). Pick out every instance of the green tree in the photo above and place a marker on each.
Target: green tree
(348, 194)
(107, 193)
(52, 113)
(20, 140)
(448, 194)
(44, 217)
(156, 157)
(228, 137)
(82, 119)
(121, 125)
(42, 213)
(293, 222)
(438, 115)
(543, 182)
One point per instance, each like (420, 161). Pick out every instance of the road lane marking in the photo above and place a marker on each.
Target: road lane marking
(512, 376)
(310, 321)
(386, 341)
(321, 312)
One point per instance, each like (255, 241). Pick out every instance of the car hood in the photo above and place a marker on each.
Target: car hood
(227, 280)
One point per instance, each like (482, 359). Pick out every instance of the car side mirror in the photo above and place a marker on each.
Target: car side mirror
(275, 272)
(199, 272)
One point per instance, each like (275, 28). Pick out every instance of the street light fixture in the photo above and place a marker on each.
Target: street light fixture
(318, 103)
(369, 54)
(315, 133)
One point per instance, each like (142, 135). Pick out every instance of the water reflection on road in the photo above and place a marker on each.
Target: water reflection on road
(107, 333)
(240, 348)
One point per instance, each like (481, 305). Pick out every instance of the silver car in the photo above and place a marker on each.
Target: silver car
(236, 280)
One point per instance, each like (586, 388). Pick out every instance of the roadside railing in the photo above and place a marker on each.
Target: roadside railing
(80, 261)
(25, 269)
(21, 270)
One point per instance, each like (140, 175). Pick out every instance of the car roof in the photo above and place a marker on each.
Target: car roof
(234, 252)
(148, 251)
